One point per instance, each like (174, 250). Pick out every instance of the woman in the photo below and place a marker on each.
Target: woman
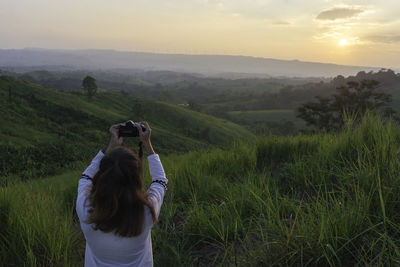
(115, 215)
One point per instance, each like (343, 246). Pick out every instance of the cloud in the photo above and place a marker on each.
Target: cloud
(339, 13)
(384, 38)
(280, 22)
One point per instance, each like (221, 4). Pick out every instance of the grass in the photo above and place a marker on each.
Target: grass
(276, 121)
(276, 114)
(38, 224)
(315, 200)
(268, 115)
(41, 124)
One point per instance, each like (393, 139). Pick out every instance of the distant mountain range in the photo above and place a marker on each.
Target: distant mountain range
(210, 65)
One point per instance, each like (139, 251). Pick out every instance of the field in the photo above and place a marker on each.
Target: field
(274, 115)
(277, 121)
(305, 200)
(44, 131)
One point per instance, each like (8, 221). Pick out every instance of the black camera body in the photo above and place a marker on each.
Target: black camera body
(129, 129)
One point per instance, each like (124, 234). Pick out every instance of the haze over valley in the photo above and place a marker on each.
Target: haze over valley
(209, 65)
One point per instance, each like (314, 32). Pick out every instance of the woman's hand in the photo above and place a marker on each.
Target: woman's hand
(144, 136)
(115, 140)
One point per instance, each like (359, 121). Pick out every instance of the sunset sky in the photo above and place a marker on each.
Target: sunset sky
(363, 32)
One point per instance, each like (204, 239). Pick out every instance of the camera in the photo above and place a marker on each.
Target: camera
(128, 129)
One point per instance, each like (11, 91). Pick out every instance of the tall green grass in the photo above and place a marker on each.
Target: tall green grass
(38, 226)
(306, 200)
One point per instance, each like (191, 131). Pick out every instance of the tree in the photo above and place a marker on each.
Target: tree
(353, 99)
(193, 105)
(89, 84)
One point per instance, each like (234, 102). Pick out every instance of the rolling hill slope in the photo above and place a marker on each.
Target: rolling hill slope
(43, 129)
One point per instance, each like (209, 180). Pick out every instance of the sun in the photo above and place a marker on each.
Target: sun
(343, 42)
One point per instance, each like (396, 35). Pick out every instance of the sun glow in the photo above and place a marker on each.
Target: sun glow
(343, 42)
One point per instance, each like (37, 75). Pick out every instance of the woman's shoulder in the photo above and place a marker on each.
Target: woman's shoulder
(148, 218)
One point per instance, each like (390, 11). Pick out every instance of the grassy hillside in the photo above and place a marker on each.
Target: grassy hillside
(43, 129)
(316, 200)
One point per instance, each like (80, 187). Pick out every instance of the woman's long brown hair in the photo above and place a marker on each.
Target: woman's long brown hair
(116, 196)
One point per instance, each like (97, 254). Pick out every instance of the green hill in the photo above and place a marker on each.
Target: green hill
(306, 200)
(44, 130)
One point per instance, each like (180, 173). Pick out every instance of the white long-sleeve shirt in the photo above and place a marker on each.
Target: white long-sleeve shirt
(108, 249)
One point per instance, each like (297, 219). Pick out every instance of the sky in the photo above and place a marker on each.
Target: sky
(361, 32)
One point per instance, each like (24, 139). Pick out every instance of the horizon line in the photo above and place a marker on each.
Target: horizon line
(196, 54)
